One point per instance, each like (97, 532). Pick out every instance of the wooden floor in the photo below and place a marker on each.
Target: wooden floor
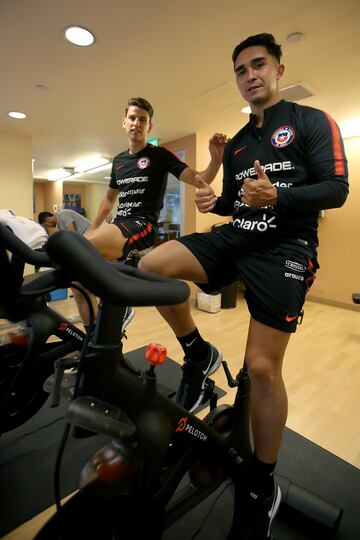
(321, 372)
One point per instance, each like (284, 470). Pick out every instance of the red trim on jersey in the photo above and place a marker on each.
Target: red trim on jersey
(337, 147)
(148, 229)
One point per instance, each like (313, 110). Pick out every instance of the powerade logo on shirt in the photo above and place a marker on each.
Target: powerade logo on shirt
(268, 167)
(143, 162)
(283, 136)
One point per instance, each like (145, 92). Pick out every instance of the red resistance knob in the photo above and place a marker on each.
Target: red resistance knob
(155, 353)
(19, 338)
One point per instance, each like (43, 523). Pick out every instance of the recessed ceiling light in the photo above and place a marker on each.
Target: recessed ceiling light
(294, 37)
(78, 35)
(246, 110)
(41, 88)
(17, 115)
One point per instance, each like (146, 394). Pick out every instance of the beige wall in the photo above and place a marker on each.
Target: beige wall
(53, 195)
(16, 184)
(94, 195)
(49, 193)
(39, 196)
(339, 234)
(189, 145)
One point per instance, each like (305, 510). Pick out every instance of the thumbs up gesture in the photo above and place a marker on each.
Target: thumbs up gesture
(260, 192)
(205, 198)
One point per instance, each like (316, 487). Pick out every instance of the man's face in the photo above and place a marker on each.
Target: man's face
(50, 222)
(137, 124)
(257, 74)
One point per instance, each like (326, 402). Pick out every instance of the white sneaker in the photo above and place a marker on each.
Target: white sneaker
(128, 317)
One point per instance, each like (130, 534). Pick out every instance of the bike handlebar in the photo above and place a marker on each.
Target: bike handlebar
(116, 283)
(17, 247)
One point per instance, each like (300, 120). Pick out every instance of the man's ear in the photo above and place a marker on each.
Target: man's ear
(280, 71)
(150, 126)
(123, 122)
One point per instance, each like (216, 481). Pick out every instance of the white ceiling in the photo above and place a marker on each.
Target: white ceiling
(176, 54)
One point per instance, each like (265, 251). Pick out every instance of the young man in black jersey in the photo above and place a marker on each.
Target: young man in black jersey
(138, 182)
(280, 170)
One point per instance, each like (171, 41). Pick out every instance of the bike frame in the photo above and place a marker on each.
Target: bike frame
(22, 366)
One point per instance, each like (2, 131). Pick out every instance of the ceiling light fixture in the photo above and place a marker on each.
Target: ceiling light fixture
(60, 174)
(294, 37)
(17, 115)
(246, 110)
(91, 163)
(78, 35)
(99, 169)
(350, 128)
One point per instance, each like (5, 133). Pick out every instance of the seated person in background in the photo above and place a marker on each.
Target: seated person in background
(65, 220)
(138, 181)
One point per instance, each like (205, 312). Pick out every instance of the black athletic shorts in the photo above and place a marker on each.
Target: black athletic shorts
(276, 274)
(140, 234)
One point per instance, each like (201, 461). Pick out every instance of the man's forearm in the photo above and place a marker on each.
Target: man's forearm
(104, 210)
(211, 171)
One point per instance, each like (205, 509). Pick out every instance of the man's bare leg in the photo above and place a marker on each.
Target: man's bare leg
(109, 241)
(264, 355)
(173, 259)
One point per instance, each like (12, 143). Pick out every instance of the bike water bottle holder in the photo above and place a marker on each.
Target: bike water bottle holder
(100, 417)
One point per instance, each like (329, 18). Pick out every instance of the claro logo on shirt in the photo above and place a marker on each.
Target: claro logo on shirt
(268, 167)
(255, 224)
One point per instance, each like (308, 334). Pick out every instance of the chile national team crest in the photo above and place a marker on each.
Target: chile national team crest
(283, 136)
(143, 162)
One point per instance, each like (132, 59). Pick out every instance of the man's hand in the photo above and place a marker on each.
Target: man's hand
(216, 146)
(205, 198)
(260, 192)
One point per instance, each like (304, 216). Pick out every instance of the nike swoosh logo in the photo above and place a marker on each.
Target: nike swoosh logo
(191, 342)
(207, 369)
(239, 150)
(120, 167)
(290, 319)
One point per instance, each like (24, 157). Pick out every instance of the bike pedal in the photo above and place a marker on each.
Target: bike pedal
(60, 384)
(209, 390)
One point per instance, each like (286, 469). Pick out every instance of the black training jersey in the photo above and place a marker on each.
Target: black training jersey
(141, 179)
(301, 151)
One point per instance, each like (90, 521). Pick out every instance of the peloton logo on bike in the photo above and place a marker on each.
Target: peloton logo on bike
(143, 162)
(184, 426)
(255, 225)
(64, 327)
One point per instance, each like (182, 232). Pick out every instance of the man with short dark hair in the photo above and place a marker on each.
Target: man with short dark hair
(280, 170)
(138, 182)
(65, 220)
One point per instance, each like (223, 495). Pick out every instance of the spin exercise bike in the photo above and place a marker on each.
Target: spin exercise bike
(161, 460)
